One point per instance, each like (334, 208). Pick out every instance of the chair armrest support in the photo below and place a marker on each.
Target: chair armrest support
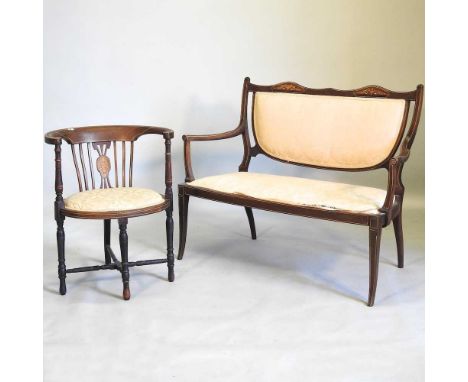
(59, 204)
(168, 172)
(207, 137)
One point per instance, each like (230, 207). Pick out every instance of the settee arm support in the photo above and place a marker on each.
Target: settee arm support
(395, 187)
(205, 137)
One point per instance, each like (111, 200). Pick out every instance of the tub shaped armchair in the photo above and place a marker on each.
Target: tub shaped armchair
(106, 192)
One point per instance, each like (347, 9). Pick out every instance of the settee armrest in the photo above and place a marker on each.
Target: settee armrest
(204, 137)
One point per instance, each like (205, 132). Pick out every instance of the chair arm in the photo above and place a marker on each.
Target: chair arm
(206, 137)
(165, 132)
(53, 137)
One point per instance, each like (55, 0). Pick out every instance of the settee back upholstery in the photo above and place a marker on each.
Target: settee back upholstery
(328, 131)
(350, 130)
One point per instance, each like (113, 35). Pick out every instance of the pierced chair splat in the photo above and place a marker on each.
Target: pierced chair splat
(100, 198)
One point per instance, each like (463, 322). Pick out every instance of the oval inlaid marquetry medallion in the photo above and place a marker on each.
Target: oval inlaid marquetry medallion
(103, 165)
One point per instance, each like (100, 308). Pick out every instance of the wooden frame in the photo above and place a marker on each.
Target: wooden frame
(390, 212)
(101, 139)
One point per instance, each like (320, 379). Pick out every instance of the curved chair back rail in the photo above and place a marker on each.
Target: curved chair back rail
(92, 148)
(103, 153)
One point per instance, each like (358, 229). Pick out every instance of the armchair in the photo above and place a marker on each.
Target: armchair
(108, 193)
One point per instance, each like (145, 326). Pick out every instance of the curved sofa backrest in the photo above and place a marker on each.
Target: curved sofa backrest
(328, 131)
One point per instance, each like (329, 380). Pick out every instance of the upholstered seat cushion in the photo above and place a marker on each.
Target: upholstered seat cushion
(297, 191)
(113, 199)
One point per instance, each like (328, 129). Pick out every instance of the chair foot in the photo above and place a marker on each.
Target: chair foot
(375, 233)
(253, 231)
(63, 287)
(183, 216)
(171, 275)
(126, 292)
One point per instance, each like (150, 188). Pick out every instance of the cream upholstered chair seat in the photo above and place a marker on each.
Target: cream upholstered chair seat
(297, 191)
(113, 199)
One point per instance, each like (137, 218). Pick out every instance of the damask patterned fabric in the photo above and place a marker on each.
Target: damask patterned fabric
(328, 131)
(113, 199)
(297, 191)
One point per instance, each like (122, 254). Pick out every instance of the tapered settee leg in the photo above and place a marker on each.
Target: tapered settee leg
(375, 233)
(183, 215)
(250, 216)
(398, 228)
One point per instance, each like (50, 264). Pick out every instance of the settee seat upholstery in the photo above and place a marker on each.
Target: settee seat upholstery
(113, 199)
(297, 191)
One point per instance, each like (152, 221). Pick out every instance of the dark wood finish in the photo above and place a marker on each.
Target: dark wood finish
(59, 218)
(107, 239)
(62, 269)
(169, 219)
(375, 233)
(77, 135)
(398, 228)
(183, 216)
(123, 241)
(391, 209)
(310, 212)
(93, 268)
(95, 144)
(250, 217)
(91, 165)
(124, 156)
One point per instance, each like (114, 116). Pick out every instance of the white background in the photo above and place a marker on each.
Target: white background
(180, 64)
(290, 305)
(20, 93)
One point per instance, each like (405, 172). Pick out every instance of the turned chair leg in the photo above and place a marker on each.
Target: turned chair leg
(123, 240)
(250, 216)
(183, 215)
(62, 269)
(107, 238)
(170, 246)
(375, 233)
(398, 228)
